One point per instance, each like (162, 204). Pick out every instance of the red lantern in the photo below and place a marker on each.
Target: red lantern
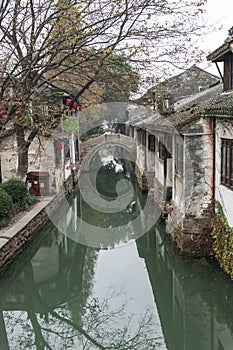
(4, 111)
(74, 106)
(59, 146)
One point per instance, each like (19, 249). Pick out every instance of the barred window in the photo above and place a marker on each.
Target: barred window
(227, 163)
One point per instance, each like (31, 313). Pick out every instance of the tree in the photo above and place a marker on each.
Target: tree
(116, 80)
(119, 79)
(41, 40)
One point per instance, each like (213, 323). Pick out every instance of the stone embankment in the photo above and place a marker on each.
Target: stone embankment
(13, 239)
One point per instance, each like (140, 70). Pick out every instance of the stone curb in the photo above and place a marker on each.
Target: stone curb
(22, 231)
(18, 226)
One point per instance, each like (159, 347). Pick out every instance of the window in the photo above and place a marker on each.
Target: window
(139, 135)
(165, 146)
(227, 163)
(151, 143)
(131, 131)
(228, 74)
(144, 137)
(162, 150)
(179, 163)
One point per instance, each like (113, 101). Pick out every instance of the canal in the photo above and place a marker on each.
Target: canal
(130, 291)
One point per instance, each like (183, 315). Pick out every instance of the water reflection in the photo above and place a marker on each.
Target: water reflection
(194, 298)
(140, 295)
(51, 298)
(49, 304)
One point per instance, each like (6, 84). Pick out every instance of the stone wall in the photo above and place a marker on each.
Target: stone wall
(189, 233)
(199, 172)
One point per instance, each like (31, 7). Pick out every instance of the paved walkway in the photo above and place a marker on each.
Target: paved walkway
(24, 220)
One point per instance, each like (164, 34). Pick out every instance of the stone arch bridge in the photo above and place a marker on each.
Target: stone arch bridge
(104, 145)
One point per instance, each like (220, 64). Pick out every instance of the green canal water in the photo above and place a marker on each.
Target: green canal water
(136, 293)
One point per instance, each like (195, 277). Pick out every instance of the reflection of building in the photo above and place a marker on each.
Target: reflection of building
(190, 306)
(49, 278)
(56, 274)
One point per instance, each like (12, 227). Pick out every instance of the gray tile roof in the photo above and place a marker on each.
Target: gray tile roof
(211, 102)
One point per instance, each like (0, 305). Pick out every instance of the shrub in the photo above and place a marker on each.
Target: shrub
(17, 189)
(30, 199)
(6, 204)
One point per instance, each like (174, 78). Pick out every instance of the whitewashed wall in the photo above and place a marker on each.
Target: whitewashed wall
(224, 129)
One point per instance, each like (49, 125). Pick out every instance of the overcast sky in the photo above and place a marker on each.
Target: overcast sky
(220, 14)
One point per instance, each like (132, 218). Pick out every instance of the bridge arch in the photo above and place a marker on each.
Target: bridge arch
(106, 142)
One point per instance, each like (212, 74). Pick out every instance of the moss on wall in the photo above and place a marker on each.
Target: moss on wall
(222, 235)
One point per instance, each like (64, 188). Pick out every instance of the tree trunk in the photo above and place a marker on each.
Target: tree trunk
(0, 163)
(22, 151)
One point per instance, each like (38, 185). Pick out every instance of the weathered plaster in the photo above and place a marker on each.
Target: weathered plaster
(41, 157)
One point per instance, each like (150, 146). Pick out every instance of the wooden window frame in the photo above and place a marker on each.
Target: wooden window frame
(151, 143)
(227, 163)
(228, 73)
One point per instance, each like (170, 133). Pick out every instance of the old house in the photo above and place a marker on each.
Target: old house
(221, 110)
(175, 155)
(189, 82)
(52, 156)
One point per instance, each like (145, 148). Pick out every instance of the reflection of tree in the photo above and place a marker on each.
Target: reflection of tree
(59, 313)
(102, 327)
